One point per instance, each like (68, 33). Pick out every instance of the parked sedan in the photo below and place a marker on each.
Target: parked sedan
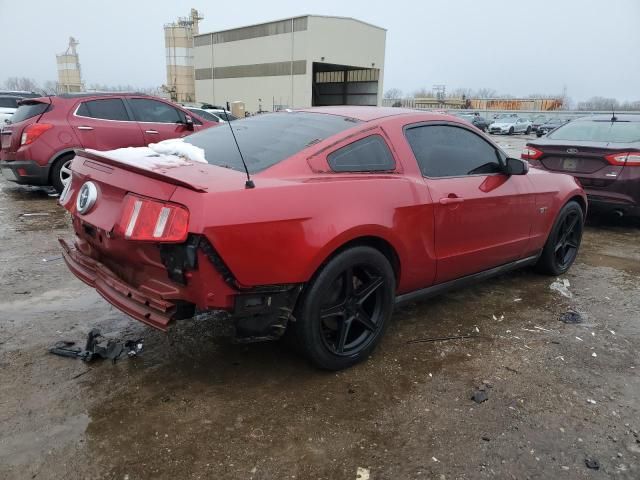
(551, 125)
(510, 125)
(329, 218)
(602, 152)
(217, 116)
(475, 120)
(39, 143)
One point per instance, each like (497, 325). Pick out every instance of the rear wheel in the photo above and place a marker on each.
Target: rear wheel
(345, 309)
(511, 131)
(563, 243)
(61, 172)
(528, 131)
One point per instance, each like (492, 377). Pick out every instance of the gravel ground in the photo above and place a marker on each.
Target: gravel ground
(196, 406)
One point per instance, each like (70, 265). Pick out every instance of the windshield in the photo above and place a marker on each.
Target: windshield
(267, 139)
(598, 131)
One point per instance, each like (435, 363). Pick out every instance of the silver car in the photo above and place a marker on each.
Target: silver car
(510, 125)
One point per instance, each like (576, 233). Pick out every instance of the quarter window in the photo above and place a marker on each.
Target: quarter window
(107, 109)
(447, 151)
(153, 111)
(370, 154)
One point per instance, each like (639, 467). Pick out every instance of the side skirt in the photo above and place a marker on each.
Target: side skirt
(434, 290)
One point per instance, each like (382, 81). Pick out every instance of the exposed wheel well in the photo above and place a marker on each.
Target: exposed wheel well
(379, 244)
(580, 201)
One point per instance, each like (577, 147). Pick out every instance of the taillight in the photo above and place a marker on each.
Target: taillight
(145, 219)
(624, 159)
(530, 153)
(32, 132)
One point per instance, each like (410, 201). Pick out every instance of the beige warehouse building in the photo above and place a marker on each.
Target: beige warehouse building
(297, 62)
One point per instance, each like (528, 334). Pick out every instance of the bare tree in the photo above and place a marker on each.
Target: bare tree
(20, 83)
(422, 93)
(50, 87)
(393, 93)
(460, 93)
(486, 93)
(599, 103)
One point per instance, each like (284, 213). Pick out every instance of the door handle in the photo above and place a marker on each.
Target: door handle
(83, 127)
(151, 131)
(451, 199)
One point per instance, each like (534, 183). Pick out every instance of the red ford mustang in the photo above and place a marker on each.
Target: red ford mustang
(354, 210)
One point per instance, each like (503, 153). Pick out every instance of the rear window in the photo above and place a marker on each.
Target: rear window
(267, 139)
(598, 131)
(106, 109)
(9, 102)
(28, 111)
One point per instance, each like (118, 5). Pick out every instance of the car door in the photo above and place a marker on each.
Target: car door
(104, 124)
(158, 120)
(482, 216)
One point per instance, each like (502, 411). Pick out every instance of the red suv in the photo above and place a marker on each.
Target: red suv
(38, 145)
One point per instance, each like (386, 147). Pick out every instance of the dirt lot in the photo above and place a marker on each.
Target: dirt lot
(195, 406)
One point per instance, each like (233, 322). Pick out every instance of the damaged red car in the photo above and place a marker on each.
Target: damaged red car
(313, 224)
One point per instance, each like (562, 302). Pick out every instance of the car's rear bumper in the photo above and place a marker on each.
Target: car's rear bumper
(602, 203)
(143, 306)
(26, 172)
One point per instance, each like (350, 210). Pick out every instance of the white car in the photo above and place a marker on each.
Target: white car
(210, 114)
(510, 125)
(8, 106)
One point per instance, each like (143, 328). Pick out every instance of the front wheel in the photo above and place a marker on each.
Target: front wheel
(563, 242)
(345, 309)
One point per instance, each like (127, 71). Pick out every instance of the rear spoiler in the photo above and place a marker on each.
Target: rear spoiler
(143, 171)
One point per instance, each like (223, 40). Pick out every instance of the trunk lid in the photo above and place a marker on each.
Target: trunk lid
(152, 177)
(584, 160)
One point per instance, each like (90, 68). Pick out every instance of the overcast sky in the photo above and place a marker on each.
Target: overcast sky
(592, 47)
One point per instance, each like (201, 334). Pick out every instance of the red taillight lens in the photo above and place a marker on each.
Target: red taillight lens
(624, 159)
(32, 132)
(144, 219)
(530, 153)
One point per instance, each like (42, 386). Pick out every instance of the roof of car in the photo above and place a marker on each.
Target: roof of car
(101, 94)
(622, 117)
(365, 114)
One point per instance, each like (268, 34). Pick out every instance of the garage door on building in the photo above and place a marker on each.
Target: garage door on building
(344, 85)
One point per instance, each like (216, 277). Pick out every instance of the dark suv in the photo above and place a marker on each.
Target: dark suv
(39, 143)
(602, 152)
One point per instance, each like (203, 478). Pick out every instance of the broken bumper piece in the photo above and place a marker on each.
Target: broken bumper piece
(145, 307)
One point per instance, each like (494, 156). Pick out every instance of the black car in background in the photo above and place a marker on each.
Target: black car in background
(550, 125)
(475, 119)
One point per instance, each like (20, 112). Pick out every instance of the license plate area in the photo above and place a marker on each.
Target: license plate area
(570, 164)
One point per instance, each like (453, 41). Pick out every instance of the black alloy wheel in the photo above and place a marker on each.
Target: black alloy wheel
(563, 243)
(345, 309)
(568, 239)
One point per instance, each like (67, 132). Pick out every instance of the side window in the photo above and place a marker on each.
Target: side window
(107, 109)
(370, 154)
(147, 110)
(447, 151)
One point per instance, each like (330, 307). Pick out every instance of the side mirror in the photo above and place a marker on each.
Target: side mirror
(188, 123)
(515, 166)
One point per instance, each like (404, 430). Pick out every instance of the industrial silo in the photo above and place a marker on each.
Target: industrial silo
(69, 77)
(178, 40)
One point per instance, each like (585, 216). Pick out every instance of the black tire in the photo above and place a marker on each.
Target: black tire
(59, 173)
(528, 131)
(511, 131)
(563, 242)
(338, 325)
(539, 134)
